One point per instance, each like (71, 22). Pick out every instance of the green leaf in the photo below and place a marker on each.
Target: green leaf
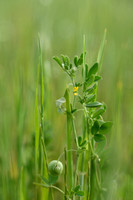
(101, 122)
(74, 110)
(97, 78)
(80, 140)
(90, 80)
(52, 179)
(94, 104)
(105, 127)
(83, 143)
(70, 66)
(63, 58)
(86, 70)
(93, 69)
(100, 146)
(76, 61)
(100, 53)
(76, 188)
(45, 180)
(57, 60)
(78, 84)
(67, 60)
(98, 112)
(80, 193)
(95, 128)
(91, 89)
(80, 60)
(99, 138)
(90, 98)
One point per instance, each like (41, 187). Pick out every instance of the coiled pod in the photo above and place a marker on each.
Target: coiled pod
(55, 167)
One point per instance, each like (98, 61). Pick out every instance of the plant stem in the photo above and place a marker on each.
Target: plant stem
(44, 153)
(69, 139)
(84, 70)
(65, 174)
(50, 186)
(76, 170)
(75, 134)
(84, 121)
(89, 181)
(97, 178)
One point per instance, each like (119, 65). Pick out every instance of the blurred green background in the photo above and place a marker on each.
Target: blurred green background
(61, 25)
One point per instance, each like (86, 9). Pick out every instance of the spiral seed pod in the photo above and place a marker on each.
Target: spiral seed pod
(55, 167)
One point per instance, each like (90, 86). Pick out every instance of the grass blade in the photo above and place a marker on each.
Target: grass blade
(101, 50)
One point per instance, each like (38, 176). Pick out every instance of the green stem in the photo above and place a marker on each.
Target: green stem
(84, 70)
(74, 128)
(70, 150)
(50, 186)
(75, 134)
(92, 151)
(89, 181)
(44, 153)
(69, 139)
(98, 182)
(84, 121)
(76, 170)
(65, 174)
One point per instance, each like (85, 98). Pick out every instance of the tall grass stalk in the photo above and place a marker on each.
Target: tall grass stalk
(41, 165)
(84, 121)
(22, 182)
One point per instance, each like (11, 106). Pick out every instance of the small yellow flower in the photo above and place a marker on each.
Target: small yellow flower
(75, 89)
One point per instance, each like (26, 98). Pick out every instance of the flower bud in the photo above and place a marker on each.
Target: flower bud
(55, 167)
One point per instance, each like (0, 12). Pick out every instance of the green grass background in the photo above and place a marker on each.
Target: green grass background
(61, 25)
